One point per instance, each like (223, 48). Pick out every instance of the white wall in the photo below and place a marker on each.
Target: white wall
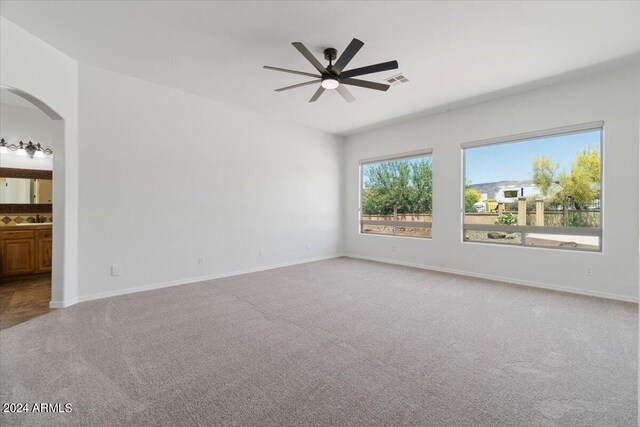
(33, 67)
(613, 97)
(25, 124)
(166, 177)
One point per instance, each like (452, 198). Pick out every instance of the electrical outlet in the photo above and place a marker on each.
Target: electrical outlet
(116, 270)
(259, 252)
(589, 271)
(306, 247)
(200, 260)
(393, 248)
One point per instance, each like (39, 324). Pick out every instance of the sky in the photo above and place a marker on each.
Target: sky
(512, 162)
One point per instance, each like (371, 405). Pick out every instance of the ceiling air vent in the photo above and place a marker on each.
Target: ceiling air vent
(396, 80)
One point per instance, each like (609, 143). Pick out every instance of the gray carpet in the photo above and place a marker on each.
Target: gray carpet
(338, 342)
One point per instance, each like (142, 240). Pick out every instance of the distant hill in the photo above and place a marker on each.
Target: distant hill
(491, 188)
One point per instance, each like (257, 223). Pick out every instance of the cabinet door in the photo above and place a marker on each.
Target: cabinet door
(45, 255)
(17, 256)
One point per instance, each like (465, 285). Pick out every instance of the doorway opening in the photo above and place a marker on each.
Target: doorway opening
(28, 130)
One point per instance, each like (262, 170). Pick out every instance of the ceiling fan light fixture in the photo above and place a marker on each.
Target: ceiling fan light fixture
(334, 76)
(330, 83)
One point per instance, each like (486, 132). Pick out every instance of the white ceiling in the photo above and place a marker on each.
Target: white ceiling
(450, 51)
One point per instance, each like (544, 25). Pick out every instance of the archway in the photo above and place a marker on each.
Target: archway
(58, 292)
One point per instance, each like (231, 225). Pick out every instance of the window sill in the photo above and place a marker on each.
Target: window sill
(395, 235)
(548, 248)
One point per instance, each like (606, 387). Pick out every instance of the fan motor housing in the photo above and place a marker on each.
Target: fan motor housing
(330, 54)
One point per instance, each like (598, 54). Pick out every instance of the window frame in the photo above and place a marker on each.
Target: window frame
(523, 230)
(389, 158)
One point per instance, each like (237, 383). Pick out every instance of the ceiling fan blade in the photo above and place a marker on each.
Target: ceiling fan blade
(305, 52)
(298, 85)
(316, 95)
(383, 66)
(345, 94)
(365, 83)
(347, 56)
(302, 73)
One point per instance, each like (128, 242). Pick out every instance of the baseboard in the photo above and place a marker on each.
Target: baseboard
(67, 303)
(549, 286)
(62, 304)
(187, 281)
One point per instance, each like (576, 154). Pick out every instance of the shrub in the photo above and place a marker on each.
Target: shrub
(576, 220)
(507, 219)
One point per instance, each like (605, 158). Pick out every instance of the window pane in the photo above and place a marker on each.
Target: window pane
(562, 241)
(395, 193)
(492, 237)
(413, 231)
(377, 229)
(552, 181)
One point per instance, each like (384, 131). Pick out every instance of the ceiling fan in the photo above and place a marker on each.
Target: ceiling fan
(333, 76)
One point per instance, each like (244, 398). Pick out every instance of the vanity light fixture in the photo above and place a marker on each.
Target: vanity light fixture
(29, 149)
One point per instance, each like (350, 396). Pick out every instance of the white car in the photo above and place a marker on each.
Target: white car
(480, 207)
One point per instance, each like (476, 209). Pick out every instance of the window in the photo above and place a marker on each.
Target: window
(542, 189)
(396, 195)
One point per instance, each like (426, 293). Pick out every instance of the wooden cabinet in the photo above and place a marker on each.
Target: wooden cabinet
(25, 250)
(44, 253)
(18, 256)
(17, 234)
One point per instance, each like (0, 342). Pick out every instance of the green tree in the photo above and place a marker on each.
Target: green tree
(403, 186)
(581, 187)
(545, 172)
(471, 197)
(583, 184)
(421, 198)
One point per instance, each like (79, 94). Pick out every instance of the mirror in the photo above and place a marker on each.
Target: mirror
(26, 191)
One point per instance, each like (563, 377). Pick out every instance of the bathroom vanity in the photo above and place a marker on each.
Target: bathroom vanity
(25, 249)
